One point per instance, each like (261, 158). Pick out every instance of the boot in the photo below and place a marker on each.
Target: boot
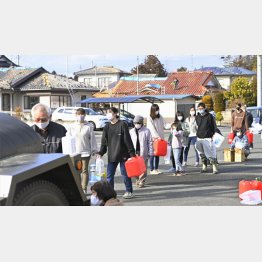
(204, 163)
(215, 171)
(213, 162)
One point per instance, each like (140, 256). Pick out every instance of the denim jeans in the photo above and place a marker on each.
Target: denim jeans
(111, 170)
(177, 153)
(154, 162)
(191, 140)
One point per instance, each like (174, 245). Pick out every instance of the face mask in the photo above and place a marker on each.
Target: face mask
(138, 126)
(173, 129)
(157, 112)
(192, 113)
(109, 116)
(202, 112)
(179, 118)
(237, 108)
(42, 125)
(95, 201)
(238, 134)
(80, 118)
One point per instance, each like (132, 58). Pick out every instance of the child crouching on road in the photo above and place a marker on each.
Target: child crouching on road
(143, 144)
(177, 136)
(241, 141)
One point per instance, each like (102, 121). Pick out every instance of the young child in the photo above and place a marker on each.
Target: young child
(85, 143)
(143, 144)
(241, 141)
(177, 136)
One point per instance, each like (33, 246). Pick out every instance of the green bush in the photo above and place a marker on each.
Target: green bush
(219, 117)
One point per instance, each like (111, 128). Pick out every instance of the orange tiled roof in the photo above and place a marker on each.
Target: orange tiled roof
(188, 83)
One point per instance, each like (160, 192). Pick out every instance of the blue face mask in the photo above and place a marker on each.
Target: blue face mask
(202, 112)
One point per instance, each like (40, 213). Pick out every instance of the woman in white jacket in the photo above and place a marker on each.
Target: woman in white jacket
(85, 143)
(143, 144)
(156, 125)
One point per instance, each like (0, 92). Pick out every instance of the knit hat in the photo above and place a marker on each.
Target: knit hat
(138, 119)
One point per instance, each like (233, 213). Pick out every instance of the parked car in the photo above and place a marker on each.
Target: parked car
(68, 114)
(124, 115)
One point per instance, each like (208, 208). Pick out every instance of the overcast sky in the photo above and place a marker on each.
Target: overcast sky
(124, 62)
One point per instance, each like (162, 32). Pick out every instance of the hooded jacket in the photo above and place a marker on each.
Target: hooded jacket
(205, 125)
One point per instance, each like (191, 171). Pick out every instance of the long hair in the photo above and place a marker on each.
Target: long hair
(153, 110)
(179, 113)
(104, 190)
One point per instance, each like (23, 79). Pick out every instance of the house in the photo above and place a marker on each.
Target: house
(100, 77)
(226, 75)
(24, 87)
(6, 63)
(179, 91)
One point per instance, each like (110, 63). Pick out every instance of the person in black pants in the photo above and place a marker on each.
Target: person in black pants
(117, 141)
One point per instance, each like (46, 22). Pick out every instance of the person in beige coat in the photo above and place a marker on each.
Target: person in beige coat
(143, 144)
(85, 143)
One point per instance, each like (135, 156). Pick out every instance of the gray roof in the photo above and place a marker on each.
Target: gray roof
(227, 71)
(101, 70)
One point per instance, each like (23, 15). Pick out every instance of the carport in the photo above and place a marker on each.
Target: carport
(122, 100)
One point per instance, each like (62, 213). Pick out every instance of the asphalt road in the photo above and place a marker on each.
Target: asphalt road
(195, 189)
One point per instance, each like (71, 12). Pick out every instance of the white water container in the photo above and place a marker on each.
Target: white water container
(69, 145)
(100, 167)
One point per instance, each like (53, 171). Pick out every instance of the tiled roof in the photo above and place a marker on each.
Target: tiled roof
(227, 70)
(38, 79)
(101, 70)
(126, 87)
(194, 83)
(47, 81)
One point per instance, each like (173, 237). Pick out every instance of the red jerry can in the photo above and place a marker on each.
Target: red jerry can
(135, 166)
(160, 147)
(250, 137)
(244, 185)
(257, 185)
(230, 138)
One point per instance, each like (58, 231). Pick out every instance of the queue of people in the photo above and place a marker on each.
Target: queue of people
(120, 143)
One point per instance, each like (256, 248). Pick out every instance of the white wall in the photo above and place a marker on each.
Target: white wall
(113, 77)
(45, 100)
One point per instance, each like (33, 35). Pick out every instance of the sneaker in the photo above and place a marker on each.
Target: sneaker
(171, 170)
(141, 184)
(184, 163)
(179, 173)
(128, 195)
(158, 172)
(154, 172)
(137, 182)
(182, 173)
(196, 164)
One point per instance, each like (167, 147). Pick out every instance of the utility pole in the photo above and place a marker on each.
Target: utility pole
(259, 79)
(18, 60)
(137, 80)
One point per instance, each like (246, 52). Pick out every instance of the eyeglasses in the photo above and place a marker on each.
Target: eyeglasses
(41, 119)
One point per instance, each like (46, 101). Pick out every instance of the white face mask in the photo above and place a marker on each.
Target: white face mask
(192, 113)
(80, 118)
(238, 134)
(157, 112)
(109, 116)
(95, 201)
(42, 125)
(179, 118)
(138, 126)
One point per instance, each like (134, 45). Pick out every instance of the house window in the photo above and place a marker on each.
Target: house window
(6, 102)
(83, 104)
(104, 82)
(30, 101)
(88, 81)
(57, 101)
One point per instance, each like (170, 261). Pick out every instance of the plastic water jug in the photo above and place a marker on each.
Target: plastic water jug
(135, 166)
(230, 138)
(100, 167)
(244, 185)
(250, 137)
(160, 147)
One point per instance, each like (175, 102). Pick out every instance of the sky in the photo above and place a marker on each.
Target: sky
(67, 65)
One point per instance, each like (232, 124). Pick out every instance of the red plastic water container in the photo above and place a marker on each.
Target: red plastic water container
(230, 138)
(160, 147)
(256, 185)
(135, 166)
(250, 137)
(244, 185)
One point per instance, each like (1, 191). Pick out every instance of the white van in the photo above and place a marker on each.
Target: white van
(62, 114)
